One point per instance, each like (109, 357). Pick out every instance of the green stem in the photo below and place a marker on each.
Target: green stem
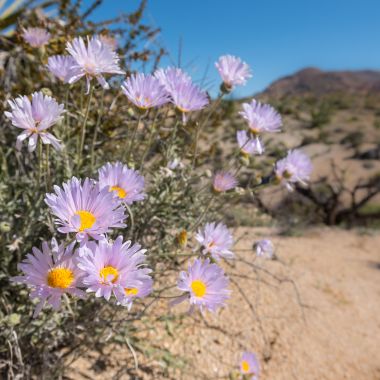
(172, 141)
(47, 168)
(200, 126)
(39, 163)
(153, 132)
(65, 134)
(83, 130)
(132, 218)
(197, 133)
(134, 133)
(201, 217)
(100, 115)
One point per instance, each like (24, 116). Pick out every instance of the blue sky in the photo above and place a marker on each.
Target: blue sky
(275, 37)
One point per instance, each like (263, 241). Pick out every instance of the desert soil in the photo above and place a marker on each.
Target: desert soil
(312, 314)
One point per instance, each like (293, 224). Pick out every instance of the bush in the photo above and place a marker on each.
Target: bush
(132, 155)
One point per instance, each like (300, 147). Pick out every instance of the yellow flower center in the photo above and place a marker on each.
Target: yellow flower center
(87, 219)
(255, 131)
(89, 67)
(184, 110)
(60, 278)
(245, 366)
(121, 193)
(109, 271)
(131, 291)
(210, 245)
(199, 288)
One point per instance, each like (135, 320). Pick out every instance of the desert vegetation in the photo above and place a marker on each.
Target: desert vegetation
(124, 187)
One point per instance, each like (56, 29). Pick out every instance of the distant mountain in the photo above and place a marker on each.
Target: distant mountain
(318, 83)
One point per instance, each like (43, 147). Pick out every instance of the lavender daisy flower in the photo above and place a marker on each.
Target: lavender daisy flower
(247, 145)
(205, 284)
(188, 97)
(36, 37)
(145, 91)
(86, 210)
(217, 240)
(114, 268)
(261, 117)
(93, 60)
(141, 286)
(249, 365)
(171, 78)
(224, 181)
(295, 167)
(128, 184)
(50, 273)
(264, 248)
(35, 117)
(233, 71)
(61, 66)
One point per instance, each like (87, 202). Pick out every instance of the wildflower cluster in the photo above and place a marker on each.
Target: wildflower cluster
(99, 265)
(93, 212)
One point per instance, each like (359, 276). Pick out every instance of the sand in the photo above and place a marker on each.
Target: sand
(329, 330)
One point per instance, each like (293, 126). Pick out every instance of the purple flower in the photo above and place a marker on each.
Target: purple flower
(115, 268)
(36, 37)
(249, 365)
(61, 66)
(224, 181)
(249, 146)
(141, 288)
(233, 71)
(171, 78)
(50, 273)
(35, 117)
(295, 167)
(128, 184)
(264, 248)
(145, 91)
(188, 97)
(93, 60)
(205, 284)
(217, 240)
(86, 210)
(261, 117)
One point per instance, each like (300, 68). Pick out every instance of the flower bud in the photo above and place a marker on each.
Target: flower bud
(5, 227)
(225, 88)
(182, 239)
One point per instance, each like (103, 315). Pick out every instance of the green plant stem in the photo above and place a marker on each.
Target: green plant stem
(134, 133)
(152, 135)
(201, 217)
(83, 129)
(40, 159)
(201, 125)
(172, 141)
(97, 125)
(47, 168)
(65, 134)
(132, 218)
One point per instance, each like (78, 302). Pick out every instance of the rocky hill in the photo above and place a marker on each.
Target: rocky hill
(313, 81)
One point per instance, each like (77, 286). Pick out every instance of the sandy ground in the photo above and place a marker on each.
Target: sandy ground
(334, 335)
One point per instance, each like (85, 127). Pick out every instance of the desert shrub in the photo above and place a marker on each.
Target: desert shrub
(321, 115)
(134, 154)
(353, 139)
